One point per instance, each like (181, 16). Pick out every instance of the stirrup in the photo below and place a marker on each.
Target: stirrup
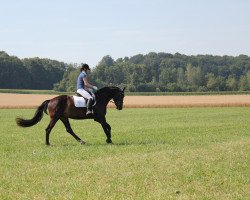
(89, 113)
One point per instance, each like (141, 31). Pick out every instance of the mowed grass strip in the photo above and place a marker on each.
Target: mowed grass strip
(184, 153)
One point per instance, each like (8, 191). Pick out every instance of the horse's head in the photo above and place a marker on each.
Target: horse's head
(118, 98)
(105, 94)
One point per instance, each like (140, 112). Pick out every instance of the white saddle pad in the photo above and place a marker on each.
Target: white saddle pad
(79, 101)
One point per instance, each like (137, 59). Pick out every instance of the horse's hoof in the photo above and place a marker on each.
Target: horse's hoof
(109, 141)
(82, 142)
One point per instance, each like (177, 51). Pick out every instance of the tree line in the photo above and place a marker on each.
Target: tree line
(140, 73)
(29, 73)
(167, 72)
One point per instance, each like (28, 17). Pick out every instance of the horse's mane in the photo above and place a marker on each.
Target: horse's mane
(108, 89)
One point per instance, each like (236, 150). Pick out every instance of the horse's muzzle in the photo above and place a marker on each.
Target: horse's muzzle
(119, 106)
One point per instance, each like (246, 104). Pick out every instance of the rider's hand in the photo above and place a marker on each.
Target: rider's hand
(95, 88)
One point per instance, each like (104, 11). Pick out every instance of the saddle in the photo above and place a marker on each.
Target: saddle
(81, 101)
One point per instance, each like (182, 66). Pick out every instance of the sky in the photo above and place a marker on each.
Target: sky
(81, 31)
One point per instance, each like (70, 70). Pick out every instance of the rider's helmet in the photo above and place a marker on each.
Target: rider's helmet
(85, 66)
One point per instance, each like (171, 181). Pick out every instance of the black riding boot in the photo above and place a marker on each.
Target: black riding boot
(89, 107)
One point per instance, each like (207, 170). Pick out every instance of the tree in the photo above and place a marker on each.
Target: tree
(231, 83)
(194, 77)
(212, 83)
(106, 61)
(244, 83)
(44, 73)
(13, 74)
(137, 59)
(68, 83)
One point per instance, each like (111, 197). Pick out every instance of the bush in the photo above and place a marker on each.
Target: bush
(146, 88)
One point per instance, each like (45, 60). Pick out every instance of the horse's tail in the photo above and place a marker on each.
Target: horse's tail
(37, 117)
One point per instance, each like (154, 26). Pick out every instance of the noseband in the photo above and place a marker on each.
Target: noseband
(118, 102)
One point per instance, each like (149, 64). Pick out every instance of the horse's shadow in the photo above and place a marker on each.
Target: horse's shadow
(148, 142)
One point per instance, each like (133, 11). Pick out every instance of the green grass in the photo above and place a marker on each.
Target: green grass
(184, 153)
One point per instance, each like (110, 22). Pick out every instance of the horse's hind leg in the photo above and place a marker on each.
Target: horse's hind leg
(49, 128)
(69, 129)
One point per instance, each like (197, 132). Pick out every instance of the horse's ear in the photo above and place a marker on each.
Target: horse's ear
(123, 89)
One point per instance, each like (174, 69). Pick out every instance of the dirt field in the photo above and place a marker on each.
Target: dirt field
(33, 100)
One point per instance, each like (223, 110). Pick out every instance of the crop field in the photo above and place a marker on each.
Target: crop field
(33, 100)
(158, 153)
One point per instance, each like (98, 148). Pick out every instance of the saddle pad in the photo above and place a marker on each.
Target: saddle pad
(79, 101)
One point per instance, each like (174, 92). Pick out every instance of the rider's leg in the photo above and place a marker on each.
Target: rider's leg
(89, 107)
(84, 93)
(89, 98)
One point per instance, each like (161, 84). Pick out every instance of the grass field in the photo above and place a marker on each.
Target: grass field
(170, 153)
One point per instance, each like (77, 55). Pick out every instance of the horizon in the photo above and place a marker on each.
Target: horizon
(85, 32)
(124, 56)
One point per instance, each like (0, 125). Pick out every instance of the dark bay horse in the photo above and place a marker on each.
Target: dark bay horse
(62, 108)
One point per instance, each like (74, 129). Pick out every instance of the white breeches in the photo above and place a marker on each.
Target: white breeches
(84, 93)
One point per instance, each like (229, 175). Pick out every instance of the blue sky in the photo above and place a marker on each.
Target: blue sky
(75, 31)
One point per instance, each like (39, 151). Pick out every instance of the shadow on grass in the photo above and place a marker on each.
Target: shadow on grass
(132, 143)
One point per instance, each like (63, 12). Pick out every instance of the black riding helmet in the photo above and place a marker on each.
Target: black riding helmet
(85, 66)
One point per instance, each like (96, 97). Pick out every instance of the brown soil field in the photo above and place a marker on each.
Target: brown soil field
(34, 100)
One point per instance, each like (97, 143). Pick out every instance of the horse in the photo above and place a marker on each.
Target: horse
(62, 108)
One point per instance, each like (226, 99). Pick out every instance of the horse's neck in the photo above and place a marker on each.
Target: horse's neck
(104, 99)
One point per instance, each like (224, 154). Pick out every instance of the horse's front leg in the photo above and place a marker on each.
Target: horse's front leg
(107, 129)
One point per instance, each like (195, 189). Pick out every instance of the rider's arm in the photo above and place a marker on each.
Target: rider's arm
(87, 84)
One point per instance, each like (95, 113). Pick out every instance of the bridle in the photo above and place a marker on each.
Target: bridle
(120, 102)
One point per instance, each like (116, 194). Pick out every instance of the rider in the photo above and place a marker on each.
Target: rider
(83, 85)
